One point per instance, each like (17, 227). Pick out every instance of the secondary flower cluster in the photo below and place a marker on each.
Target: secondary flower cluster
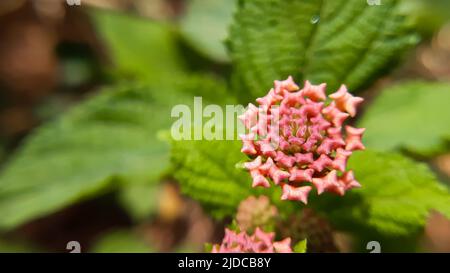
(259, 242)
(295, 137)
(255, 212)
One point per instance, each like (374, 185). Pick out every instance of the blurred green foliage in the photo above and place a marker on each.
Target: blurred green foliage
(120, 241)
(430, 14)
(95, 147)
(139, 48)
(6, 246)
(205, 26)
(140, 200)
(411, 115)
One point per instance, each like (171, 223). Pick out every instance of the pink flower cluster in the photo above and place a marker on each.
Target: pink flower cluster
(296, 137)
(259, 242)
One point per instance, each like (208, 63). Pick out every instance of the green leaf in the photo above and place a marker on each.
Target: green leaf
(121, 241)
(110, 139)
(205, 26)
(395, 199)
(206, 172)
(413, 116)
(138, 48)
(301, 246)
(333, 41)
(140, 199)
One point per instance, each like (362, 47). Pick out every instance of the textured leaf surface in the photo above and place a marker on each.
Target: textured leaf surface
(396, 197)
(138, 47)
(413, 116)
(207, 172)
(205, 26)
(332, 41)
(110, 138)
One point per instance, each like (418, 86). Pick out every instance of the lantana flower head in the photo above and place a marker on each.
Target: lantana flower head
(259, 242)
(296, 136)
